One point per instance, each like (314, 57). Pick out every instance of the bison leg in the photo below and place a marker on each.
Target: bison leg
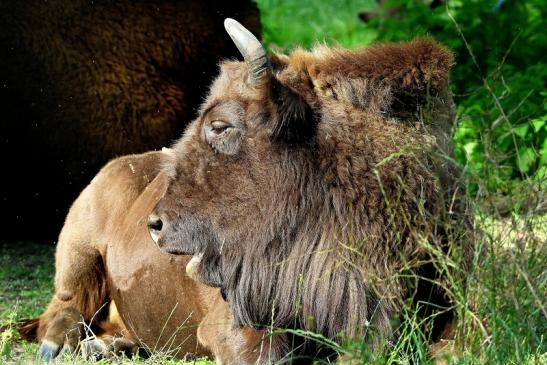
(109, 340)
(80, 285)
(231, 346)
(107, 346)
(68, 332)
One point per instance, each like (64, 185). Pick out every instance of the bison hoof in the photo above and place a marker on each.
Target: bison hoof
(94, 349)
(63, 334)
(123, 346)
(48, 350)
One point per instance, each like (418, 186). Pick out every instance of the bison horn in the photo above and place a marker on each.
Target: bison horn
(251, 49)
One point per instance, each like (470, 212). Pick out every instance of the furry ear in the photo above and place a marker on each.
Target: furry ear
(295, 122)
(279, 61)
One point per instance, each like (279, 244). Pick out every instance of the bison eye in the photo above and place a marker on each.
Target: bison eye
(219, 126)
(223, 137)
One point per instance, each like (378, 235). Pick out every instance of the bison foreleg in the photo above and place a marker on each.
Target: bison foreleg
(80, 285)
(69, 332)
(106, 346)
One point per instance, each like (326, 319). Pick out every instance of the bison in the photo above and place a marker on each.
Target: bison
(312, 192)
(83, 82)
(316, 190)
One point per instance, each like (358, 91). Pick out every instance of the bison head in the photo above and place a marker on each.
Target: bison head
(307, 182)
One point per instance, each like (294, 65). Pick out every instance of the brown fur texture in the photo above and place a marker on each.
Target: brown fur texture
(311, 194)
(83, 82)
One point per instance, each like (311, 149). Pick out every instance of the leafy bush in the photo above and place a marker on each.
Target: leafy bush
(287, 24)
(499, 81)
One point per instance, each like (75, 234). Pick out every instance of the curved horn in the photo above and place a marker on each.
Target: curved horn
(251, 49)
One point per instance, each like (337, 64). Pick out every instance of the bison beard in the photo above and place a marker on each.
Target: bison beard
(336, 187)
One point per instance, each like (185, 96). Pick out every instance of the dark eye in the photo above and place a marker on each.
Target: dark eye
(219, 126)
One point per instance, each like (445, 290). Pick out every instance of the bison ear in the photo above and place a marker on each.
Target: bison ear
(295, 123)
(395, 79)
(279, 61)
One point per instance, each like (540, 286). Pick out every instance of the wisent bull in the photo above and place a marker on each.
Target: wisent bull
(311, 193)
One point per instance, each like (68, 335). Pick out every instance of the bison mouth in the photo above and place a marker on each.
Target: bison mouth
(204, 266)
(175, 249)
(192, 235)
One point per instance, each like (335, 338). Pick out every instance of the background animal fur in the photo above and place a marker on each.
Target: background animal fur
(82, 82)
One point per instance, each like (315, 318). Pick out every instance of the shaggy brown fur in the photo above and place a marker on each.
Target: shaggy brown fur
(105, 256)
(311, 193)
(82, 82)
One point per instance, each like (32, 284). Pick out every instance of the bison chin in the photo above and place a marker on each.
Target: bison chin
(206, 267)
(190, 236)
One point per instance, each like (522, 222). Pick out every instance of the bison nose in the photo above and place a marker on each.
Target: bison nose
(154, 226)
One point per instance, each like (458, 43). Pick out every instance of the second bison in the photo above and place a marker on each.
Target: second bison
(83, 82)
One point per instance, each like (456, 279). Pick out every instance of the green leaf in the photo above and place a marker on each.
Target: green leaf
(521, 130)
(543, 153)
(541, 174)
(468, 148)
(539, 123)
(525, 158)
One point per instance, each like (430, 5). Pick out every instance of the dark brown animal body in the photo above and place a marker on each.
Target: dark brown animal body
(315, 190)
(82, 82)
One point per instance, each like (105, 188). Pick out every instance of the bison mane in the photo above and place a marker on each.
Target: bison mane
(335, 267)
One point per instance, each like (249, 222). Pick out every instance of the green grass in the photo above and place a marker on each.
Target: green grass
(26, 274)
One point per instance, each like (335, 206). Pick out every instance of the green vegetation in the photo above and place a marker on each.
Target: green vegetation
(288, 24)
(26, 274)
(499, 82)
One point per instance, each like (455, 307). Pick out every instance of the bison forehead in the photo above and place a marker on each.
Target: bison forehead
(232, 83)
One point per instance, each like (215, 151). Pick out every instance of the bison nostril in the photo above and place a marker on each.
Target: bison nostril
(154, 226)
(155, 223)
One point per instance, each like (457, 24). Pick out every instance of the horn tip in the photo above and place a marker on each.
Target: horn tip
(229, 23)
